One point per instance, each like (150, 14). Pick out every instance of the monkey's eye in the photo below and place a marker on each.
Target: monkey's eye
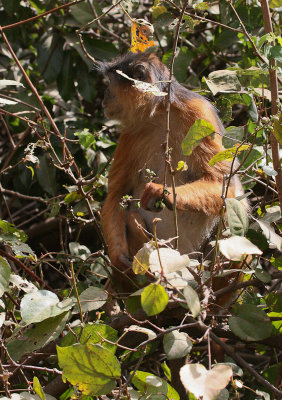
(140, 72)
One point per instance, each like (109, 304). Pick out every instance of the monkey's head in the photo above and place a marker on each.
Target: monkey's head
(122, 101)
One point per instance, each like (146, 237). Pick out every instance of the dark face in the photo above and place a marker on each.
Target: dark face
(121, 100)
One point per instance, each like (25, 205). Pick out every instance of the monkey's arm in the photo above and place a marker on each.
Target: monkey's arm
(204, 194)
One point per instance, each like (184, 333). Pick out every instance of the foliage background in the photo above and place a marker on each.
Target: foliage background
(55, 151)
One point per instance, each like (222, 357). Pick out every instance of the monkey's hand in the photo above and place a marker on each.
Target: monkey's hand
(123, 276)
(122, 262)
(153, 197)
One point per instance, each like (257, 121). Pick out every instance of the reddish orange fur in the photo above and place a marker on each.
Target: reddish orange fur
(198, 191)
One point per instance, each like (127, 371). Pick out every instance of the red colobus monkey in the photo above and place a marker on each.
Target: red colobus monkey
(143, 118)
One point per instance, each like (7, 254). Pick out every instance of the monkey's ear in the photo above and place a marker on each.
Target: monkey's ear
(140, 72)
(102, 67)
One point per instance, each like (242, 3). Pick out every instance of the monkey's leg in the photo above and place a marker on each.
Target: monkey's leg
(136, 236)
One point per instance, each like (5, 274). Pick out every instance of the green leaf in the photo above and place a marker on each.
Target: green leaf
(31, 170)
(5, 272)
(228, 154)
(192, 300)
(262, 275)
(65, 80)
(50, 56)
(46, 175)
(38, 388)
(19, 248)
(176, 344)
(275, 3)
(199, 130)
(152, 385)
(233, 135)
(251, 323)
(91, 367)
(276, 53)
(85, 138)
(71, 197)
(36, 336)
(93, 333)
(82, 13)
(86, 82)
(237, 217)
(92, 298)
(181, 64)
(8, 228)
(253, 76)
(40, 305)
(154, 299)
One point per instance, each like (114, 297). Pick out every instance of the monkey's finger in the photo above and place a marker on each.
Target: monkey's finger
(125, 261)
(167, 203)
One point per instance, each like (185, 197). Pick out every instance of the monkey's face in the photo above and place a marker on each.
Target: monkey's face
(124, 102)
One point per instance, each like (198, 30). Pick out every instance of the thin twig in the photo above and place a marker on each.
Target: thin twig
(76, 292)
(203, 19)
(274, 102)
(168, 104)
(72, 3)
(25, 268)
(8, 131)
(32, 87)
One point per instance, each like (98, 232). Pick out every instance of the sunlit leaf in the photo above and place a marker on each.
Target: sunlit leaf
(222, 81)
(140, 263)
(42, 304)
(135, 328)
(91, 298)
(171, 261)
(22, 284)
(204, 383)
(144, 87)
(237, 247)
(199, 130)
(93, 333)
(270, 234)
(9, 82)
(152, 385)
(157, 10)
(275, 3)
(38, 388)
(6, 101)
(5, 272)
(154, 299)
(91, 367)
(228, 154)
(192, 300)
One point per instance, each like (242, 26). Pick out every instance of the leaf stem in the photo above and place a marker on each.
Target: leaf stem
(76, 291)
